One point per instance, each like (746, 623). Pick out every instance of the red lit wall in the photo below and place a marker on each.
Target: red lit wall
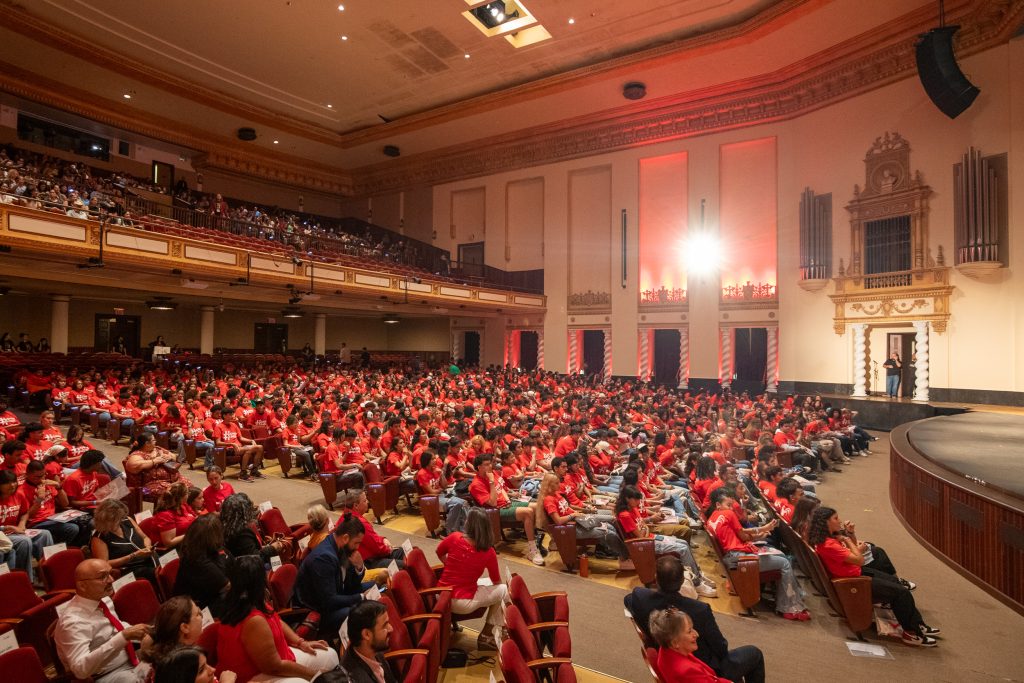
(663, 217)
(747, 214)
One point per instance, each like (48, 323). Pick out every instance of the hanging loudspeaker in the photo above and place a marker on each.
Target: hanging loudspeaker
(940, 75)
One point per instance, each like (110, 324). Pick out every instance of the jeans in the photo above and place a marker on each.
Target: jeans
(664, 545)
(69, 532)
(744, 665)
(788, 596)
(892, 385)
(30, 547)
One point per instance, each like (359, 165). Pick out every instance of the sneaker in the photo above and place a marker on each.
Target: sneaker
(846, 461)
(862, 454)
(257, 474)
(916, 640)
(797, 616)
(244, 477)
(626, 566)
(533, 555)
(706, 591)
(929, 631)
(909, 585)
(706, 581)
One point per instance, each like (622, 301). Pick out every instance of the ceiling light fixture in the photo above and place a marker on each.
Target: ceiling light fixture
(291, 313)
(494, 13)
(466, 55)
(571, 20)
(161, 303)
(341, 8)
(330, 106)
(276, 141)
(344, 37)
(391, 319)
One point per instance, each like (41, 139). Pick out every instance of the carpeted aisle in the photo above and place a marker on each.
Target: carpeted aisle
(981, 638)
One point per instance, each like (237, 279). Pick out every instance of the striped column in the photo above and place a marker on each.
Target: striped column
(645, 355)
(507, 351)
(725, 371)
(920, 361)
(684, 357)
(607, 354)
(574, 352)
(540, 349)
(456, 346)
(514, 348)
(773, 361)
(860, 360)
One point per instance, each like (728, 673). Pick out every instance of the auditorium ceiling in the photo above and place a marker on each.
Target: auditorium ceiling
(324, 108)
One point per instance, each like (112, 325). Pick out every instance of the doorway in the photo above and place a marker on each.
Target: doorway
(470, 348)
(751, 348)
(109, 329)
(270, 338)
(528, 350)
(903, 344)
(471, 259)
(593, 352)
(666, 357)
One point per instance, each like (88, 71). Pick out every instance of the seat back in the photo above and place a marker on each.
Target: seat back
(166, 576)
(59, 569)
(651, 657)
(136, 602)
(419, 569)
(272, 522)
(518, 631)
(513, 666)
(406, 598)
(282, 585)
(22, 664)
(18, 595)
(523, 600)
(400, 638)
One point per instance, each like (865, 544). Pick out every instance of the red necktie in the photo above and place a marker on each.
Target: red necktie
(118, 626)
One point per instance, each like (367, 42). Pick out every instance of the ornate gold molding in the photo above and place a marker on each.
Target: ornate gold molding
(925, 298)
(589, 302)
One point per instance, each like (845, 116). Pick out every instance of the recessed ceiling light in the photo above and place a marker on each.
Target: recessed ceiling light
(341, 8)
(330, 106)
(127, 96)
(344, 37)
(275, 142)
(571, 20)
(466, 55)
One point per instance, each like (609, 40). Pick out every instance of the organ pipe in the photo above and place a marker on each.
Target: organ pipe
(975, 209)
(815, 235)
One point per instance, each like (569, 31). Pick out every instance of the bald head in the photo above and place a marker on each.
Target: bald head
(93, 579)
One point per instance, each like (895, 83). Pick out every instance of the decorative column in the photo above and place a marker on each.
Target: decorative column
(921, 364)
(860, 360)
(320, 334)
(540, 349)
(645, 355)
(574, 352)
(59, 323)
(725, 371)
(456, 346)
(507, 352)
(516, 351)
(773, 361)
(684, 357)
(206, 329)
(607, 353)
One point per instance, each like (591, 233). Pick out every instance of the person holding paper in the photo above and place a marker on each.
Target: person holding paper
(118, 539)
(91, 640)
(82, 484)
(330, 579)
(49, 495)
(488, 490)
(369, 634)
(14, 514)
(252, 640)
(241, 535)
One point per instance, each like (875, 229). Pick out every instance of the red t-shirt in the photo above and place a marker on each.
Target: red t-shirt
(82, 486)
(768, 489)
(227, 433)
(172, 519)
(833, 555)
(631, 521)
(428, 479)
(47, 507)
(480, 489)
(212, 498)
(464, 564)
(12, 508)
(784, 508)
(556, 503)
(391, 467)
(726, 527)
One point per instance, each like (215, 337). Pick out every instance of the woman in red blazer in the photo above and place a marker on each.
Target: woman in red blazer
(677, 641)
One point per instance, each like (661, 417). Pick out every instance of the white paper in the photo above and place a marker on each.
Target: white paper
(264, 506)
(8, 641)
(372, 593)
(32, 533)
(143, 515)
(407, 546)
(392, 569)
(275, 561)
(124, 581)
(167, 558)
(52, 550)
(858, 649)
(207, 617)
(4, 569)
(508, 575)
(116, 489)
(304, 542)
(66, 516)
(343, 634)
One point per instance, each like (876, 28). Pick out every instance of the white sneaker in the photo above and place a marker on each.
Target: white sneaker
(706, 591)
(708, 582)
(533, 555)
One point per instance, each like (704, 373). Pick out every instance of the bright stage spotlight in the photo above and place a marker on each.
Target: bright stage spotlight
(702, 253)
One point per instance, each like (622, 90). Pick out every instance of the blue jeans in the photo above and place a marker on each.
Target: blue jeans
(788, 596)
(26, 548)
(892, 385)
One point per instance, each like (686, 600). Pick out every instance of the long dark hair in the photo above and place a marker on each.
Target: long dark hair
(203, 538)
(237, 513)
(181, 665)
(626, 494)
(167, 627)
(478, 529)
(818, 531)
(248, 589)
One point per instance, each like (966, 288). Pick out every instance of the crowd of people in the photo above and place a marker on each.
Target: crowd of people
(620, 461)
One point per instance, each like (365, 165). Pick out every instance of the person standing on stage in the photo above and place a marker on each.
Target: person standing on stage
(893, 366)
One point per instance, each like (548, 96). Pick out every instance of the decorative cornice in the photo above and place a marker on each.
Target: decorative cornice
(857, 66)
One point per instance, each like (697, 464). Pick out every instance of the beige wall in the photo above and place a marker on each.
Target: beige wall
(823, 150)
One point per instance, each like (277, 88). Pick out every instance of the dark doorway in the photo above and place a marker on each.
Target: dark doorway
(270, 338)
(751, 356)
(163, 175)
(903, 344)
(110, 328)
(528, 350)
(471, 349)
(593, 352)
(471, 259)
(666, 357)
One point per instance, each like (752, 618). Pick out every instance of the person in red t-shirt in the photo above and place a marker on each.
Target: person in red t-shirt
(303, 453)
(488, 490)
(48, 495)
(376, 550)
(843, 555)
(466, 556)
(399, 464)
(14, 514)
(787, 494)
(172, 515)
(735, 541)
(229, 435)
(82, 484)
(217, 491)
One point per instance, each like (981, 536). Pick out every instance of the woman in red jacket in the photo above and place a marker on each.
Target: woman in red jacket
(673, 630)
(466, 556)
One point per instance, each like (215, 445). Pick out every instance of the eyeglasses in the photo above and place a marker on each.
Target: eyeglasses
(100, 577)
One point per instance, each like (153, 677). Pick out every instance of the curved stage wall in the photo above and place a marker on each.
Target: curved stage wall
(940, 490)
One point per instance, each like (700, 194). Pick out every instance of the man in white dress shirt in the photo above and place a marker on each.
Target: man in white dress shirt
(91, 640)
